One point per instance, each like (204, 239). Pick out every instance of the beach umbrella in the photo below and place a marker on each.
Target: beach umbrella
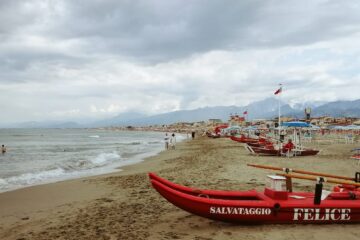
(295, 124)
(337, 127)
(249, 128)
(232, 128)
(313, 127)
(351, 127)
(236, 129)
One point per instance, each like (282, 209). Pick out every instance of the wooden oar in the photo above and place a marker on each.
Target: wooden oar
(316, 179)
(301, 171)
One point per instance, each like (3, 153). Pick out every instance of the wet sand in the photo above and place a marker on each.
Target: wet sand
(123, 205)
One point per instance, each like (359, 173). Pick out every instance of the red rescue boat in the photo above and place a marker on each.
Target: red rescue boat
(271, 151)
(255, 207)
(244, 139)
(261, 144)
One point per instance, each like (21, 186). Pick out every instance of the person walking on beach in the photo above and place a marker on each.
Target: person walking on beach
(193, 134)
(3, 149)
(166, 140)
(173, 141)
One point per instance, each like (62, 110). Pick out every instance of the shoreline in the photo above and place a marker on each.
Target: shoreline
(123, 205)
(138, 159)
(103, 171)
(38, 201)
(52, 175)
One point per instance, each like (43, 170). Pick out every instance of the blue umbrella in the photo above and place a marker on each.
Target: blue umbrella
(295, 124)
(313, 127)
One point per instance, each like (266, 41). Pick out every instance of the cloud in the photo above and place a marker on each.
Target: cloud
(158, 31)
(63, 59)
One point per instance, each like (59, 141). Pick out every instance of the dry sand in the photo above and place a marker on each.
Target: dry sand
(122, 205)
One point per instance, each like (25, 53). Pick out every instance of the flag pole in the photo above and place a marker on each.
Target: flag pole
(279, 121)
(279, 112)
(279, 115)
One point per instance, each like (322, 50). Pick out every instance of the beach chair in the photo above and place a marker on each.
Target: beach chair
(356, 156)
(247, 147)
(288, 153)
(349, 139)
(307, 138)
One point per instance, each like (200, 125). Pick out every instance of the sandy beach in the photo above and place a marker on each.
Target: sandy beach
(123, 205)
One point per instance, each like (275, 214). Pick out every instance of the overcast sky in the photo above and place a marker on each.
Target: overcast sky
(76, 60)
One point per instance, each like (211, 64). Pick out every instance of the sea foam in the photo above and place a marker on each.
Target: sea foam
(103, 158)
(30, 178)
(49, 155)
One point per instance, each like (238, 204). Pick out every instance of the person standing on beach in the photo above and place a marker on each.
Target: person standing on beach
(193, 134)
(166, 140)
(3, 149)
(173, 141)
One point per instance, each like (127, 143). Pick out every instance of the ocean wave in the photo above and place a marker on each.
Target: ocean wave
(60, 171)
(94, 136)
(2, 182)
(154, 142)
(103, 158)
(54, 155)
(100, 160)
(30, 178)
(131, 143)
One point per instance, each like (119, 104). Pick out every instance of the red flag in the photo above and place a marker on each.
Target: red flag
(278, 91)
(245, 112)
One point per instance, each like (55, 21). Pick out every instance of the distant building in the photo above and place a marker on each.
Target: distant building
(357, 122)
(344, 121)
(284, 119)
(236, 120)
(258, 121)
(214, 121)
(199, 124)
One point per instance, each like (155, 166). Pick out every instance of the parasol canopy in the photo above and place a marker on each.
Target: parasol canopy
(295, 124)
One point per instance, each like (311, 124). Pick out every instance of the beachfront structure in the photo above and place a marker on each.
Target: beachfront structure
(236, 120)
(326, 121)
(357, 122)
(214, 121)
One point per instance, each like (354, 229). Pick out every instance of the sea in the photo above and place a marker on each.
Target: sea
(38, 156)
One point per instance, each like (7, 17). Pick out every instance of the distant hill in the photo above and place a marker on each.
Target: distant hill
(122, 119)
(339, 109)
(265, 109)
(46, 124)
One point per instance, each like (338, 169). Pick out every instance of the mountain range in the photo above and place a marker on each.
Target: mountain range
(264, 109)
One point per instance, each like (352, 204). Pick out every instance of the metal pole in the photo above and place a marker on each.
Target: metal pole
(279, 116)
(280, 143)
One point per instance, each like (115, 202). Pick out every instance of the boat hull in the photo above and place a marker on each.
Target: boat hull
(244, 139)
(215, 194)
(251, 207)
(256, 144)
(264, 151)
(273, 152)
